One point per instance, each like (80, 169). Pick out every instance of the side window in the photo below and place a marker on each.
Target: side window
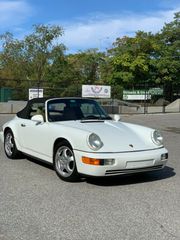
(37, 108)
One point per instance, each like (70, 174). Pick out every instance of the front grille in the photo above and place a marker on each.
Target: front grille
(134, 170)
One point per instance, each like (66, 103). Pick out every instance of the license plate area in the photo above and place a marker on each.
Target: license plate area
(139, 164)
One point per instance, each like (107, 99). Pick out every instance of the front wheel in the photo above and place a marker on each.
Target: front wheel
(64, 162)
(10, 145)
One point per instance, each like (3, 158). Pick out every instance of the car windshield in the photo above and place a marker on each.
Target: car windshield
(75, 109)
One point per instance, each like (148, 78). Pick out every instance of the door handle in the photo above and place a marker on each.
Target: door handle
(23, 125)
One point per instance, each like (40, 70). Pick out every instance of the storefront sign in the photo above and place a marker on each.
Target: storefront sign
(96, 91)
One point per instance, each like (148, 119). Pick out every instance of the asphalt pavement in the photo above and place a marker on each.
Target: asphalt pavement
(36, 204)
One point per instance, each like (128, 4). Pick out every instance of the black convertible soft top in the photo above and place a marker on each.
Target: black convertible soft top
(24, 113)
(72, 109)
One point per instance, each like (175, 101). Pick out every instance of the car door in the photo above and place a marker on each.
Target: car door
(34, 136)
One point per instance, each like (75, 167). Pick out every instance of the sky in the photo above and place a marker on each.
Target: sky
(87, 23)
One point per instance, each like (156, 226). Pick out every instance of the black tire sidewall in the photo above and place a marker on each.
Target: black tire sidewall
(15, 152)
(74, 176)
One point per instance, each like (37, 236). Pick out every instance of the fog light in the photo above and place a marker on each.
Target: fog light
(164, 156)
(109, 161)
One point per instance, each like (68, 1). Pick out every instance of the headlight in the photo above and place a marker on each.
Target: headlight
(94, 142)
(157, 138)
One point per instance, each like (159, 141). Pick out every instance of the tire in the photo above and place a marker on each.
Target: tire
(65, 163)
(10, 148)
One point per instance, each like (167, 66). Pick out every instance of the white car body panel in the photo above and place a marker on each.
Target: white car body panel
(130, 145)
(139, 162)
(1, 136)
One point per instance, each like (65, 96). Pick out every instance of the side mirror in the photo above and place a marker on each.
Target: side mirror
(117, 117)
(38, 119)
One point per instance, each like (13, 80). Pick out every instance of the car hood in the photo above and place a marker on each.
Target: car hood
(116, 136)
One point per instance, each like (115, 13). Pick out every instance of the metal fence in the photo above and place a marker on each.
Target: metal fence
(15, 89)
(14, 93)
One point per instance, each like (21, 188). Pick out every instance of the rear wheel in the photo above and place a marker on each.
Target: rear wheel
(10, 145)
(64, 162)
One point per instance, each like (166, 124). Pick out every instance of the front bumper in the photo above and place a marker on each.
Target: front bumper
(125, 163)
(2, 136)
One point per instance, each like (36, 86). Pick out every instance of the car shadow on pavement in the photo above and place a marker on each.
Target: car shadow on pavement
(40, 162)
(130, 179)
(47, 165)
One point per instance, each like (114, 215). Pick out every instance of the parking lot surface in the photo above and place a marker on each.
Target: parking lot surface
(36, 204)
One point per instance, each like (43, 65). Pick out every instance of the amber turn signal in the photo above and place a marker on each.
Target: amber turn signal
(91, 161)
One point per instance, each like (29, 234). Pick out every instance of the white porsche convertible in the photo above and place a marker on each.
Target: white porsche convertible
(79, 138)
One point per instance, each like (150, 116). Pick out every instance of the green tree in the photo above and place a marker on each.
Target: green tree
(11, 59)
(63, 77)
(131, 59)
(80, 68)
(40, 50)
(87, 66)
(29, 59)
(168, 61)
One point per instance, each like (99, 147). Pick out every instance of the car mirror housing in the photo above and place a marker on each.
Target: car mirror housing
(38, 118)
